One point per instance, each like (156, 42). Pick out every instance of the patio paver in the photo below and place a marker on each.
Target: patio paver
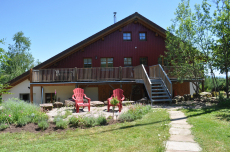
(181, 138)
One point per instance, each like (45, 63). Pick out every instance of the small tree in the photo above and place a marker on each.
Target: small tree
(182, 53)
(3, 58)
(114, 101)
(221, 28)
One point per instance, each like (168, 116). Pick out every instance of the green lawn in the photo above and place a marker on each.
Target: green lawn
(146, 134)
(211, 127)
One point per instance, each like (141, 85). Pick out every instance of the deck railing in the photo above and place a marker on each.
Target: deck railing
(157, 72)
(140, 73)
(83, 74)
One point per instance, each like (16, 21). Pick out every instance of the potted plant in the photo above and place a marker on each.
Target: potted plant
(114, 101)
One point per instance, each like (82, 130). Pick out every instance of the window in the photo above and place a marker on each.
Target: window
(87, 63)
(142, 36)
(127, 36)
(106, 62)
(127, 62)
(144, 61)
(49, 97)
(25, 97)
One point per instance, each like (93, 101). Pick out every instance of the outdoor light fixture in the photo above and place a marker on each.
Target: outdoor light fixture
(28, 87)
(96, 57)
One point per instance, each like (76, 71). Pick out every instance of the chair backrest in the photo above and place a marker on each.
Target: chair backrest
(118, 93)
(78, 94)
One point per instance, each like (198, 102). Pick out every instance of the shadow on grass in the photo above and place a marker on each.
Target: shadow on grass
(222, 111)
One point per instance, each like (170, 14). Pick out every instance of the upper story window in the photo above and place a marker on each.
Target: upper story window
(106, 62)
(144, 61)
(127, 62)
(142, 36)
(127, 36)
(87, 63)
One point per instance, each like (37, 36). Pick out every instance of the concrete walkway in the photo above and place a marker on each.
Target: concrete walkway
(181, 139)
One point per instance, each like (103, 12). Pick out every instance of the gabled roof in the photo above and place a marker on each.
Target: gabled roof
(136, 17)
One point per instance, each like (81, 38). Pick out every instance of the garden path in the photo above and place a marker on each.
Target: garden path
(181, 139)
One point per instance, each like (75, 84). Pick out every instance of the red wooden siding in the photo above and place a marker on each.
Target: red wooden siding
(114, 46)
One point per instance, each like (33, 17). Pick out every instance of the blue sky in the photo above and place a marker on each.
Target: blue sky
(55, 25)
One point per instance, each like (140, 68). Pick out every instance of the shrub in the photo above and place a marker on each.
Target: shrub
(61, 124)
(20, 112)
(73, 121)
(90, 121)
(101, 120)
(43, 125)
(134, 112)
(23, 121)
(67, 113)
(3, 126)
(127, 117)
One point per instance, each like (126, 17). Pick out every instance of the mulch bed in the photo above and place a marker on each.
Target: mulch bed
(33, 128)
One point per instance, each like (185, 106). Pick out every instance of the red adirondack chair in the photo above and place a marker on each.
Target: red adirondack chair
(78, 98)
(119, 94)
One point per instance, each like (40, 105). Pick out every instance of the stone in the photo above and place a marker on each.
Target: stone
(46, 106)
(127, 102)
(143, 100)
(69, 103)
(188, 138)
(186, 146)
(57, 104)
(206, 94)
(96, 103)
(179, 131)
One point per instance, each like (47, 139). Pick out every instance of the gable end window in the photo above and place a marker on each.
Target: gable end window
(127, 36)
(144, 61)
(127, 62)
(87, 63)
(142, 36)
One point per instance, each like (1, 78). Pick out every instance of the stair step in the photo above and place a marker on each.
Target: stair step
(159, 92)
(157, 82)
(157, 86)
(158, 89)
(160, 96)
(158, 100)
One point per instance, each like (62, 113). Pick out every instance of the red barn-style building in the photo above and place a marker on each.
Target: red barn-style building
(124, 55)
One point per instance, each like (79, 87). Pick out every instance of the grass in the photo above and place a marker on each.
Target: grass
(146, 134)
(211, 126)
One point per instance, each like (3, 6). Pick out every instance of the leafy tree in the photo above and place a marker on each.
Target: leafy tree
(204, 38)
(21, 59)
(3, 59)
(182, 53)
(221, 28)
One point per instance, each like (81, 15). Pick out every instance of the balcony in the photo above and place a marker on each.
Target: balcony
(83, 74)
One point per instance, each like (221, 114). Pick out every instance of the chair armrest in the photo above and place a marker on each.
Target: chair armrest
(123, 98)
(87, 98)
(109, 100)
(73, 97)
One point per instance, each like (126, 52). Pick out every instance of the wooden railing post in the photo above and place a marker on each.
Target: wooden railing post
(75, 74)
(31, 72)
(120, 69)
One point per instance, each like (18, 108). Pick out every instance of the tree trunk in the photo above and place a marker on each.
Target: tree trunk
(227, 83)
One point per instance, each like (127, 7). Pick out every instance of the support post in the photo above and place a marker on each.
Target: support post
(75, 74)
(202, 85)
(31, 71)
(120, 71)
(31, 93)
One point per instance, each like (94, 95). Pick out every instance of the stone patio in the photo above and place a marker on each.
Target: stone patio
(94, 111)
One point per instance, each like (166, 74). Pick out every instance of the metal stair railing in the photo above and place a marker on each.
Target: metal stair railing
(156, 71)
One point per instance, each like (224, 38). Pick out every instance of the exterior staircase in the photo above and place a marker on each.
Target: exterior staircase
(159, 92)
